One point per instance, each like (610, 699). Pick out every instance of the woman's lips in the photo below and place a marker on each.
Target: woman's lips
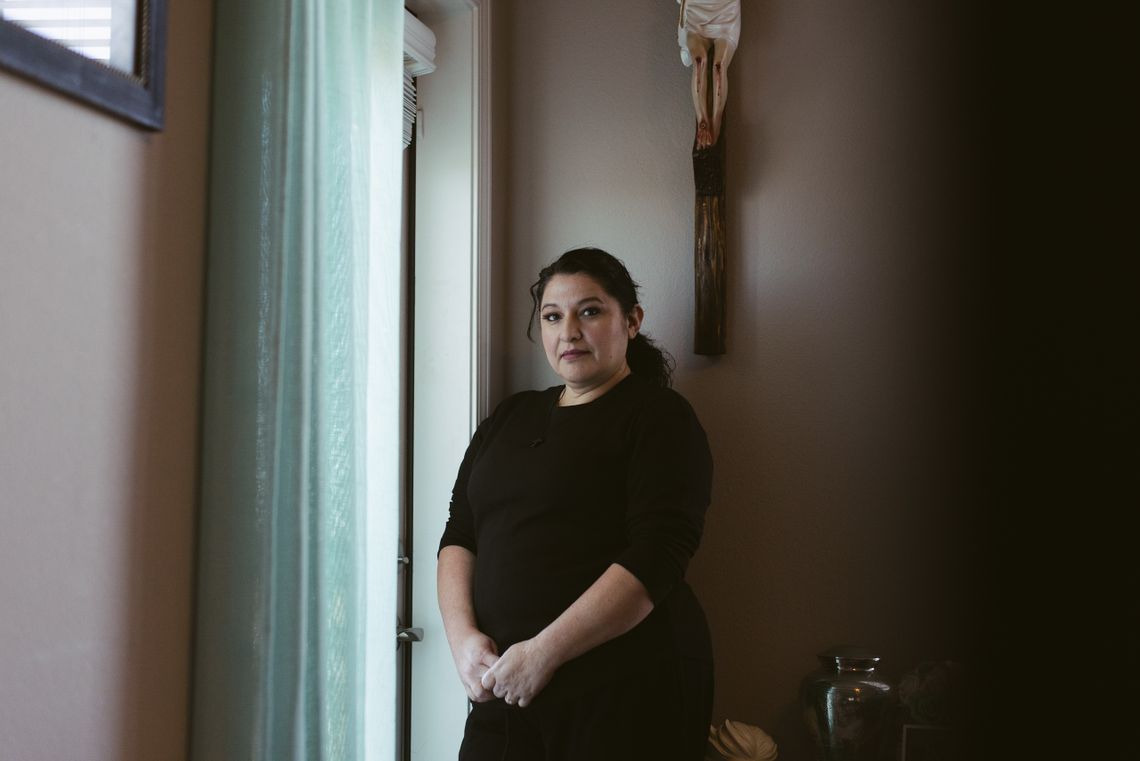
(573, 354)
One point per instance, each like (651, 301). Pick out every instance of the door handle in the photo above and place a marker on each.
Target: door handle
(408, 634)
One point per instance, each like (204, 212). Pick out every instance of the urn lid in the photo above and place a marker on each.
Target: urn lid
(849, 658)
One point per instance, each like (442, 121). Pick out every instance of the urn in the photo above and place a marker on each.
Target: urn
(846, 706)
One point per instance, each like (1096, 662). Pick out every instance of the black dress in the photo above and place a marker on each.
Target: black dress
(547, 498)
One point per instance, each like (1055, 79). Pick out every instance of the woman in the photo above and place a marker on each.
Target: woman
(573, 518)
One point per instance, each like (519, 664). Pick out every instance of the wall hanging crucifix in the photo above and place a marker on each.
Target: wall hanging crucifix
(708, 32)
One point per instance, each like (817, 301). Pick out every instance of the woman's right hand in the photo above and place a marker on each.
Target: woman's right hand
(474, 652)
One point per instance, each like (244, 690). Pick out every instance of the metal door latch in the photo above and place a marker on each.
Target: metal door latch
(409, 634)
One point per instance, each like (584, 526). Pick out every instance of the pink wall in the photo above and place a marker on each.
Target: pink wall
(101, 257)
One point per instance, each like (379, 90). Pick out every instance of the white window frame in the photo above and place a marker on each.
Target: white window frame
(452, 330)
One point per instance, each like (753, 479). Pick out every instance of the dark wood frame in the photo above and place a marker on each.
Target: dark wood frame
(137, 97)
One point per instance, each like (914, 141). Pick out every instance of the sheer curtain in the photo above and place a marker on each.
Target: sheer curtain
(299, 135)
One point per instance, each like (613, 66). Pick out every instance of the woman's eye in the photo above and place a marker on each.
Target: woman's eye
(550, 317)
(590, 311)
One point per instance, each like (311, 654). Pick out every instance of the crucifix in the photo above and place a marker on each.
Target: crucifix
(709, 28)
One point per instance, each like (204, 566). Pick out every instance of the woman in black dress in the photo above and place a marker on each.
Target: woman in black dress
(573, 518)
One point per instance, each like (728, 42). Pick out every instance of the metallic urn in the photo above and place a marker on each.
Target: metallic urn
(846, 707)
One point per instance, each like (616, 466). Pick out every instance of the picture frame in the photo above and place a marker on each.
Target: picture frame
(137, 97)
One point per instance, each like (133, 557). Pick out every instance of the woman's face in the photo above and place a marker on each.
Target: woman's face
(584, 332)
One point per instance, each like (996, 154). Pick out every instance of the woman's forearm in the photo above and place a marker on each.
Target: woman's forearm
(455, 574)
(474, 652)
(613, 605)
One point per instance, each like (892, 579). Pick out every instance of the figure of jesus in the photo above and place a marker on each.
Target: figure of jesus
(703, 25)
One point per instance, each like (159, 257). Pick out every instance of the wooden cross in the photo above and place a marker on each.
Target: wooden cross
(709, 247)
(708, 32)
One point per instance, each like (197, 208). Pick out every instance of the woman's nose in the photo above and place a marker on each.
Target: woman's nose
(571, 330)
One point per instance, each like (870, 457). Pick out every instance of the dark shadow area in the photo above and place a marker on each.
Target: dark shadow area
(1055, 416)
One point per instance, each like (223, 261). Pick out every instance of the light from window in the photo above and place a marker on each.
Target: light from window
(103, 30)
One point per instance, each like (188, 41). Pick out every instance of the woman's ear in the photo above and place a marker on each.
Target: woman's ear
(636, 315)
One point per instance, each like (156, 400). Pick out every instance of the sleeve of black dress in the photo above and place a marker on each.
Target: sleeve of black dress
(669, 487)
(460, 528)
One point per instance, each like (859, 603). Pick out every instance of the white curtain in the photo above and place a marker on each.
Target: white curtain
(296, 516)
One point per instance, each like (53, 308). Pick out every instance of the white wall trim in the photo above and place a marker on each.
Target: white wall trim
(452, 331)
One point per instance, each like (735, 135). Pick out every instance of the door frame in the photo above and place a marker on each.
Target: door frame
(451, 362)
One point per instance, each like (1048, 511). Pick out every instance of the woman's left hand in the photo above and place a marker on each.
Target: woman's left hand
(521, 673)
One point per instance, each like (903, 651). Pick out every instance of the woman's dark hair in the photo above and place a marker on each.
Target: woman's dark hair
(644, 357)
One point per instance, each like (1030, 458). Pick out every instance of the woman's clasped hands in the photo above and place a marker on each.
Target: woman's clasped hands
(476, 652)
(520, 674)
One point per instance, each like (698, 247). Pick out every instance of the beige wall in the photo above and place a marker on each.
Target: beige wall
(830, 417)
(101, 269)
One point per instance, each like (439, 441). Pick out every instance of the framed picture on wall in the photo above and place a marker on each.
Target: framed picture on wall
(106, 53)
